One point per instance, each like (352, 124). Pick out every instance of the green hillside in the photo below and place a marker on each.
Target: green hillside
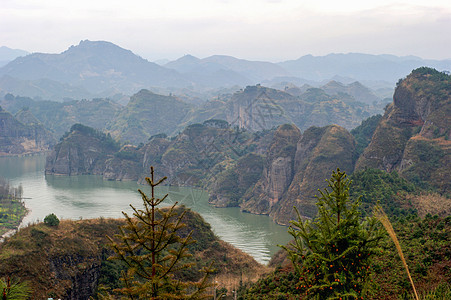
(148, 114)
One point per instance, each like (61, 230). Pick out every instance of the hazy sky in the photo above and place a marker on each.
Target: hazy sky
(273, 30)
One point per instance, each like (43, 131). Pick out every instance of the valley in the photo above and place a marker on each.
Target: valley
(246, 146)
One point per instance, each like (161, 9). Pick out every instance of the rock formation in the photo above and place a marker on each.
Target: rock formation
(83, 151)
(296, 168)
(413, 135)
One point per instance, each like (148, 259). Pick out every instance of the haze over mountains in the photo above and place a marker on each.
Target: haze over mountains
(102, 69)
(8, 54)
(268, 170)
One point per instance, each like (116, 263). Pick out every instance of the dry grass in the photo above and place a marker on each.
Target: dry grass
(239, 267)
(380, 214)
(431, 203)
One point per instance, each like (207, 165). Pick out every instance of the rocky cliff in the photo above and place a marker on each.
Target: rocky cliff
(83, 150)
(22, 134)
(296, 166)
(413, 135)
(259, 108)
(266, 172)
(229, 186)
(277, 173)
(193, 157)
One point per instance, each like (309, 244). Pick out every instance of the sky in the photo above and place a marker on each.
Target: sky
(270, 30)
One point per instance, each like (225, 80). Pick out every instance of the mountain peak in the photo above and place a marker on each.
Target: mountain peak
(99, 47)
(189, 57)
(335, 84)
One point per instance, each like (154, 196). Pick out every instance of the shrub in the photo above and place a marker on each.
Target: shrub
(51, 220)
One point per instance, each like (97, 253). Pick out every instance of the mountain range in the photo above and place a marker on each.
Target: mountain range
(271, 170)
(8, 54)
(99, 68)
(253, 108)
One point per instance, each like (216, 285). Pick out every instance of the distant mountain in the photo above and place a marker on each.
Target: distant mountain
(221, 70)
(254, 70)
(258, 108)
(22, 134)
(43, 89)
(358, 91)
(162, 62)
(207, 74)
(95, 66)
(148, 114)
(8, 54)
(58, 117)
(255, 108)
(102, 69)
(359, 66)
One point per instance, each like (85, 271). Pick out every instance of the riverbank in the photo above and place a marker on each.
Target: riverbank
(27, 154)
(12, 213)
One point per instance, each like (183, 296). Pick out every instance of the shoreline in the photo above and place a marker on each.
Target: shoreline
(28, 154)
(8, 234)
(13, 231)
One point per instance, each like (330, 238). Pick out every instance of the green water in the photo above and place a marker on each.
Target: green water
(76, 197)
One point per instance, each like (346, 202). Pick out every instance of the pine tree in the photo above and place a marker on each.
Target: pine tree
(332, 253)
(153, 249)
(14, 290)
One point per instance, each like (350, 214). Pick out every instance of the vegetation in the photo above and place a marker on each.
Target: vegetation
(427, 248)
(51, 220)
(428, 170)
(323, 253)
(427, 252)
(105, 139)
(73, 248)
(380, 214)
(280, 284)
(364, 133)
(153, 249)
(59, 117)
(440, 82)
(12, 209)
(146, 115)
(14, 290)
(389, 190)
(332, 254)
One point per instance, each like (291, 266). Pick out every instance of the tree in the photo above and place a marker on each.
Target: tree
(51, 220)
(14, 290)
(332, 253)
(151, 245)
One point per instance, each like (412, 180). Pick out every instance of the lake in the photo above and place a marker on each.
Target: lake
(88, 196)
